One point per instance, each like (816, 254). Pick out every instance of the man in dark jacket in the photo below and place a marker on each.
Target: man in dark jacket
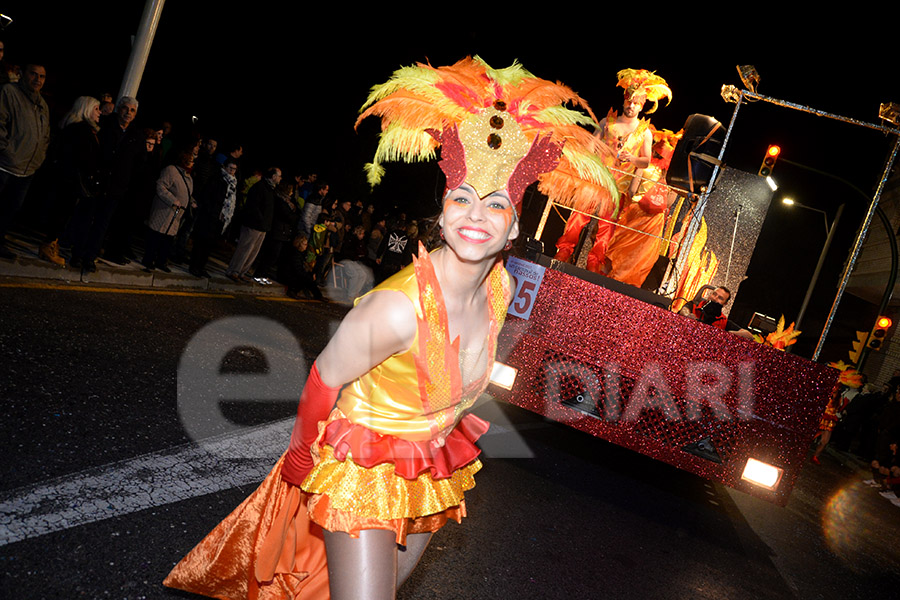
(216, 207)
(256, 220)
(280, 235)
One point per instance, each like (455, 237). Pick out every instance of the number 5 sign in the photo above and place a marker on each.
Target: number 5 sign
(528, 277)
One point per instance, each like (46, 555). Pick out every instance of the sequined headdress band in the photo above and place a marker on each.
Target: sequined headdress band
(498, 129)
(640, 83)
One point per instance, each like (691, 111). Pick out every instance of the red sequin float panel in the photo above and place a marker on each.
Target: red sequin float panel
(661, 384)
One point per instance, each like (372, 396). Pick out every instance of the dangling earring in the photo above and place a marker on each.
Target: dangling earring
(508, 245)
(442, 233)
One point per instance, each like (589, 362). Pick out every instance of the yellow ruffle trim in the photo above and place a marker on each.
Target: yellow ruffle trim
(377, 493)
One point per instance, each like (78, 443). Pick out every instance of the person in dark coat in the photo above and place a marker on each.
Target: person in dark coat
(214, 212)
(397, 248)
(284, 225)
(75, 169)
(121, 149)
(256, 220)
(300, 263)
(134, 206)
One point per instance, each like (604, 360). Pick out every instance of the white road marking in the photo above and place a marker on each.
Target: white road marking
(151, 480)
(173, 475)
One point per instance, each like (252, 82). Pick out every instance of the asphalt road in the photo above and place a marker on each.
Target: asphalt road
(103, 488)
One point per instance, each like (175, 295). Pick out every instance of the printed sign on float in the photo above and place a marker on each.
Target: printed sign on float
(528, 277)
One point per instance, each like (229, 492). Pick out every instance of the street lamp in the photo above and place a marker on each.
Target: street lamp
(829, 235)
(791, 202)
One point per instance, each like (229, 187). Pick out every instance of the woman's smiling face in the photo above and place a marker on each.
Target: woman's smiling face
(478, 228)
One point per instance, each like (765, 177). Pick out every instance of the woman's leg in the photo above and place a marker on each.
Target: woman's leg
(823, 441)
(410, 554)
(363, 568)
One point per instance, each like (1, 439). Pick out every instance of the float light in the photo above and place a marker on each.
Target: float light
(503, 375)
(762, 474)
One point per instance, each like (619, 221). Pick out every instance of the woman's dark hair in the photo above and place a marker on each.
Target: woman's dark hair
(284, 189)
(430, 232)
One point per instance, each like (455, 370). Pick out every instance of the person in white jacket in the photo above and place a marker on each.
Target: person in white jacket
(174, 190)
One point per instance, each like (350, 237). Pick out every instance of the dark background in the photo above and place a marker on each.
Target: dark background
(286, 80)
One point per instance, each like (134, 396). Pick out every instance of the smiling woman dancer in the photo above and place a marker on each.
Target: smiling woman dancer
(382, 452)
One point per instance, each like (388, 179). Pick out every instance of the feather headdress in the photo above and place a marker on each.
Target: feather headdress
(497, 128)
(644, 84)
(781, 337)
(849, 376)
(664, 142)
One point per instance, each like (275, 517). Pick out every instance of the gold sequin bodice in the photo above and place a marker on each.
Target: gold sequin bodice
(420, 394)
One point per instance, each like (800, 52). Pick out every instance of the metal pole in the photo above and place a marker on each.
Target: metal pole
(140, 50)
(543, 223)
(815, 277)
(889, 289)
(820, 113)
(857, 246)
(889, 232)
(694, 225)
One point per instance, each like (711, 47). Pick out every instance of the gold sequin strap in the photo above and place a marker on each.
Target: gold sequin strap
(638, 133)
(499, 295)
(437, 358)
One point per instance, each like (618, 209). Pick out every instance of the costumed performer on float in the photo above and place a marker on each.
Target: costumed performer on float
(849, 378)
(634, 246)
(624, 142)
(382, 450)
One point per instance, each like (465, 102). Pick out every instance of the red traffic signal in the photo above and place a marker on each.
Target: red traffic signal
(879, 332)
(768, 163)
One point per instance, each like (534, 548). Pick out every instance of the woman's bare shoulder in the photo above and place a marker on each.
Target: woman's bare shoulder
(388, 311)
(381, 325)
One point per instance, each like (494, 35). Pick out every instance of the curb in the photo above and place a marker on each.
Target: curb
(28, 265)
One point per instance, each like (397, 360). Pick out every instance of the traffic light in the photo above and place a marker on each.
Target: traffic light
(858, 346)
(768, 163)
(879, 332)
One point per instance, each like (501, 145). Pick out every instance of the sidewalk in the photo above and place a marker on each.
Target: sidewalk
(863, 470)
(28, 265)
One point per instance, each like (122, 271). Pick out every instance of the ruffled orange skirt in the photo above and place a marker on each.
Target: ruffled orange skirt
(829, 418)
(271, 546)
(403, 487)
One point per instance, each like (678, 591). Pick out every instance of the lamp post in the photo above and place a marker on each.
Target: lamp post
(829, 236)
(140, 49)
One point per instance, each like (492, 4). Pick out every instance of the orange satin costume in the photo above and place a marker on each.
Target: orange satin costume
(396, 453)
(622, 172)
(631, 253)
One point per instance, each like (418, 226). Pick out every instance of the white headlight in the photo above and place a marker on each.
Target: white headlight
(762, 474)
(503, 375)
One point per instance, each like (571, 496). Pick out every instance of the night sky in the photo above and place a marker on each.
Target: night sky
(286, 81)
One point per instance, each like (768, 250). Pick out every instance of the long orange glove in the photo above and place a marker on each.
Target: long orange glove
(316, 403)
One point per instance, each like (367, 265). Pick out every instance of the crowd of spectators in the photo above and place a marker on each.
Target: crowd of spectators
(119, 186)
(867, 424)
(121, 189)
